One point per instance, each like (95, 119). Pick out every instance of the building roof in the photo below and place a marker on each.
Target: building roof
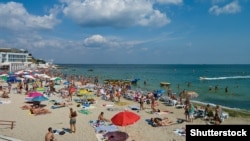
(13, 50)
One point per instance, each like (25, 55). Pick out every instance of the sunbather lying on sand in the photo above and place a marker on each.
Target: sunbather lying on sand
(161, 121)
(26, 107)
(39, 111)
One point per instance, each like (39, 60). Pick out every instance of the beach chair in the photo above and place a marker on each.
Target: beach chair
(224, 116)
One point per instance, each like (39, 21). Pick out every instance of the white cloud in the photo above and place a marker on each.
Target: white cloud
(15, 17)
(175, 2)
(95, 40)
(230, 8)
(99, 41)
(117, 13)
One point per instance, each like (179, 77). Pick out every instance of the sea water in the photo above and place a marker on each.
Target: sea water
(180, 77)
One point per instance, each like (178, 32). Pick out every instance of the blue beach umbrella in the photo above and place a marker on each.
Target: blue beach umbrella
(66, 83)
(40, 98)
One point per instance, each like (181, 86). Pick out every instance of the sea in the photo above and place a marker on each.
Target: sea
(208, 81)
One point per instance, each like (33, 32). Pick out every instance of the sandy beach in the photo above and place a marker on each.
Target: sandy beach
(33, 128)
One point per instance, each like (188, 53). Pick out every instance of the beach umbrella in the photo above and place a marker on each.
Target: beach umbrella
(34, 94)
(5, 78)
(66, 83)
(29, 76)
(56, 78)
(116, 136)
(40, 89)
(125, 118)
(40, 99)
(85, 93)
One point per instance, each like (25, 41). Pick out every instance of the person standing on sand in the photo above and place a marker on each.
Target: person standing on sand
(141, 102)
(118, 95)
(71, 91)
(50, 135)
(72, 121)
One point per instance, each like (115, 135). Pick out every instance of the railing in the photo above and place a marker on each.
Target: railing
(7, 122)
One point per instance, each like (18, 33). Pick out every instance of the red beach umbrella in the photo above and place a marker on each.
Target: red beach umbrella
(125, 118)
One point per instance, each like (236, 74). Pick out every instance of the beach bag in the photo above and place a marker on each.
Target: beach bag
(61, 132)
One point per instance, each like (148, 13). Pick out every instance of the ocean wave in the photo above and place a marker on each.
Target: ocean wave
(221, 78)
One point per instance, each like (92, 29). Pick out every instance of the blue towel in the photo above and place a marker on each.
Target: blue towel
(106, 128)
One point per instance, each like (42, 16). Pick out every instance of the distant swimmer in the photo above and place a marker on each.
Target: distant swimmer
(210, 88)
(226, 89)
(216, 87)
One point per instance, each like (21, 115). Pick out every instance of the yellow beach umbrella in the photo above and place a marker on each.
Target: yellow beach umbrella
(82, 92)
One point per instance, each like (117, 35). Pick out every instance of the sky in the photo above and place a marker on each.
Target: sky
(129, 31)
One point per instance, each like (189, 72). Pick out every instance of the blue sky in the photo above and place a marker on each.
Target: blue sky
(129, 31)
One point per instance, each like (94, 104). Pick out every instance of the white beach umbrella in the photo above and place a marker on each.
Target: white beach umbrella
(29, 76)
(19, 72)
(45, 76)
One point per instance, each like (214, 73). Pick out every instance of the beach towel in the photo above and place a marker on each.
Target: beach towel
(180, 132)
(88, 107)
(95, 123)
(106, 128)
(59, 132)
(83, 111)
(114, 109)
(102, 127)
(121, 103)
(5, 101)
(100, 137)
(56, 106)
(107, 105)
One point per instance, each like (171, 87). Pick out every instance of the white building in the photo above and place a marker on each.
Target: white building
(12, 59)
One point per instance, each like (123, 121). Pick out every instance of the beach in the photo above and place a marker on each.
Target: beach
(30, 127)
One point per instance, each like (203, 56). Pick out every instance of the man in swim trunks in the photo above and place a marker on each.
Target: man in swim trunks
(50, 135)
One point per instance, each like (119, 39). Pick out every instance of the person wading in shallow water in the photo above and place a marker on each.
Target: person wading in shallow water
(226, 89)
